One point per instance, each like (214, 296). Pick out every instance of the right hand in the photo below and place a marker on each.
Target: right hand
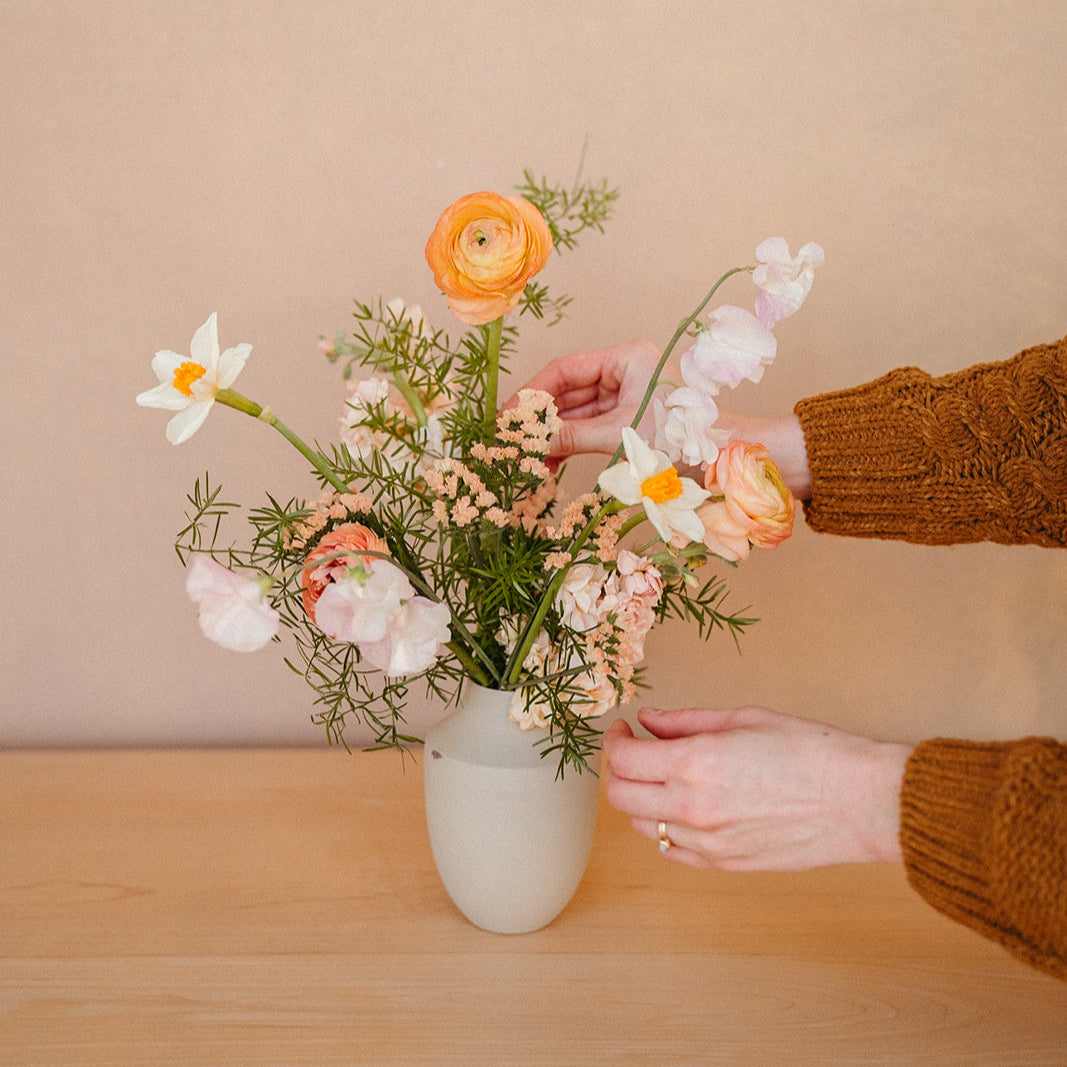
(597, 394)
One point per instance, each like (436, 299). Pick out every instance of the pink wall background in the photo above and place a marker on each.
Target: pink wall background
(271, 161)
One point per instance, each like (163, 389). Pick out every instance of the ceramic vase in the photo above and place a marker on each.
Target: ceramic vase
(510, 839)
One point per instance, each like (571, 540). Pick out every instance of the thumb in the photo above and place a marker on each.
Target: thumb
(577, 436)
(688, 721)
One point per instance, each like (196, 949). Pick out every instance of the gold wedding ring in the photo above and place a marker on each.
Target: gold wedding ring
(664, 841)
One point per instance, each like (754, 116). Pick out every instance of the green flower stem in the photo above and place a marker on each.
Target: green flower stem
(682, 327)
(250, 407)
(412, 397)
(492, 353)
(469, 665)
(632, 523)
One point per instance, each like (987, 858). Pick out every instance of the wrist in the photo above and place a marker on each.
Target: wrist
(886, 776)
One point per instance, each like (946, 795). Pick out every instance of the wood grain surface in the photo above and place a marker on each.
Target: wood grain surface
(216, 907)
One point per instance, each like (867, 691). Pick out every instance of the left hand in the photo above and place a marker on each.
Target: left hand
(752, 789)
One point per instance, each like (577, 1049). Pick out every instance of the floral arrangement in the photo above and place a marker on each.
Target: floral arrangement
(438, 546)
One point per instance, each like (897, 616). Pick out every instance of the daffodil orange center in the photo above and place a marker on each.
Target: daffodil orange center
(662, 487)
(186, 374)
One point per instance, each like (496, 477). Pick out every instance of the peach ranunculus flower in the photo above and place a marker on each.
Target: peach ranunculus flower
(483, 251)
(749, 505)
(351, 538)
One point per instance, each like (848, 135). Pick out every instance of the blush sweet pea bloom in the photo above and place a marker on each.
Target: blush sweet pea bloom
(373, 606)
(647, 477)
(233, 611)
(333, 556)
(685, 427)
(189, 385)
(749, 505)
(783, 281)
(483, 250)
(358, 604)
(414, 638)
(733, 346)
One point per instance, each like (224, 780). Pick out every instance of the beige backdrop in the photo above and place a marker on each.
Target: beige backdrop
(271, 161)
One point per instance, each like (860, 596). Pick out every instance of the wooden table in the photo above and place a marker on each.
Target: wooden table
(281, 907)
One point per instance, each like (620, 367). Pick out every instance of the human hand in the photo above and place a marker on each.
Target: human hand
(752, 789)
(598, 393)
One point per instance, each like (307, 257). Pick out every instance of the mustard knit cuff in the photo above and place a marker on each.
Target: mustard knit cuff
(983, 835)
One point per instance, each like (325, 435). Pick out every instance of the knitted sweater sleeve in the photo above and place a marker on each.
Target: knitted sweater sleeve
(978, 455)
(984, 835)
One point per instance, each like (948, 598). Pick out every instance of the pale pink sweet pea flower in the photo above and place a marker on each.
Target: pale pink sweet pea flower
(750, 504)
(413, 639)
(732, 347)
(647, 477)
(685, 427)
(358, 606)
(189, 385)
(783, 281)
(233, 610)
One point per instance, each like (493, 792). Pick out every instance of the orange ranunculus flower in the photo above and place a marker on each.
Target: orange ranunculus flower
(750, 504)
(351, 537)
(483, 251)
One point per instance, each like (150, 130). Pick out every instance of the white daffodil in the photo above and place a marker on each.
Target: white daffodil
(189, 386)
(647, 477)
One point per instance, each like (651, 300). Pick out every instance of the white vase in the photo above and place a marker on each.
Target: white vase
(510, 840)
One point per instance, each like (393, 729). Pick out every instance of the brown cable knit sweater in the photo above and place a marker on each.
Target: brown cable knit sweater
(979, 455)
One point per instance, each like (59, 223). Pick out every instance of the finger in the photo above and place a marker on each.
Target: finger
(619, 728)
(639, 800)
(637, 759)
(570, 403)
(678, 850)
(686, 722)
(573, 371)
(577, 436)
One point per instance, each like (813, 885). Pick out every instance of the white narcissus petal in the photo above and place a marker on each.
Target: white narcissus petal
(204, 347)
(163, 396)
(619, 481)
(231, 363)
(643, 460)
(187, 421)
(625, 481)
